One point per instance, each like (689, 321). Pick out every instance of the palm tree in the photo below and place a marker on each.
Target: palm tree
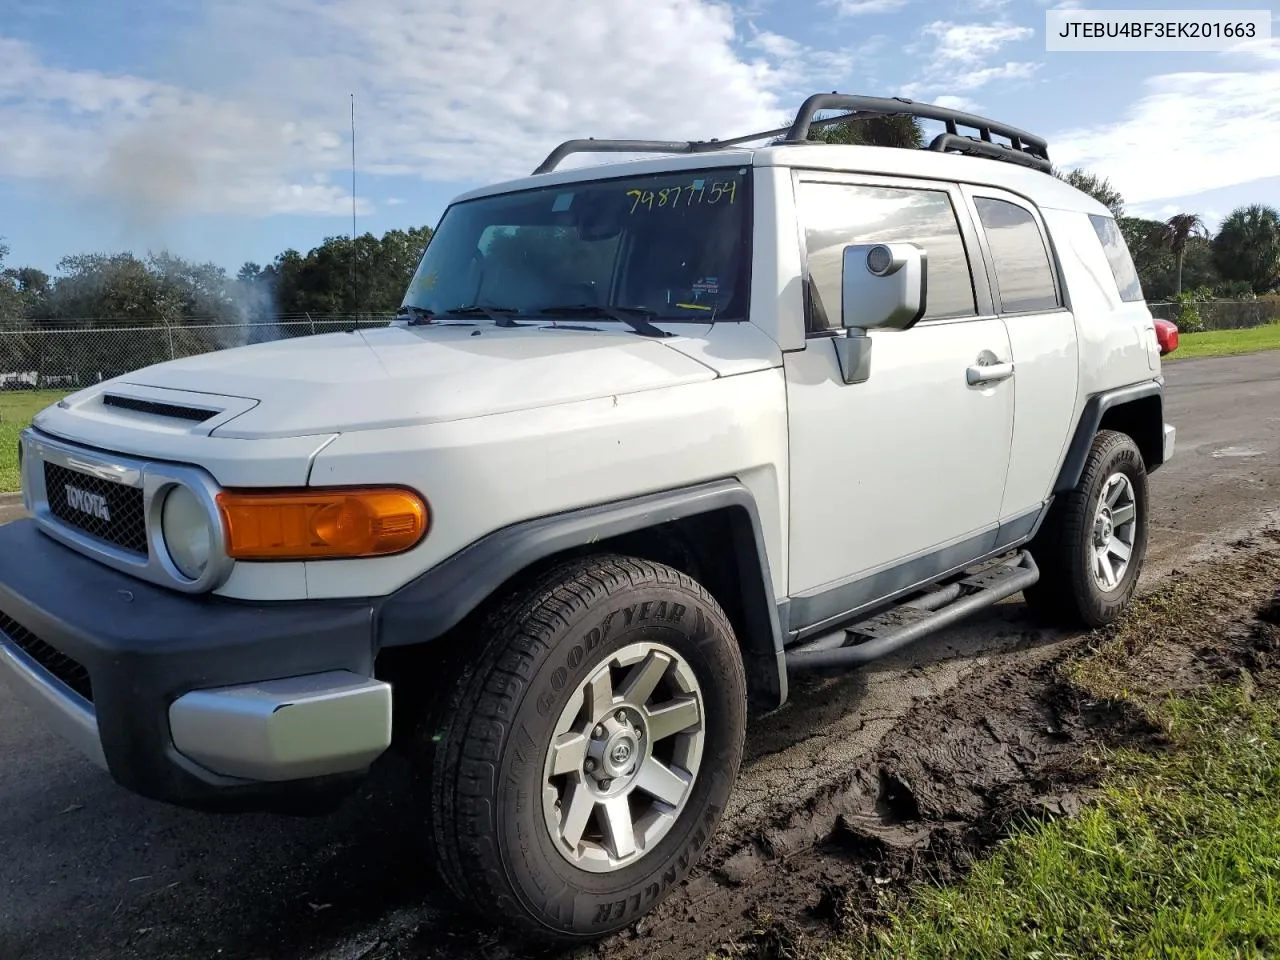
(1247, 247)
(1174, 235)
(889, 130)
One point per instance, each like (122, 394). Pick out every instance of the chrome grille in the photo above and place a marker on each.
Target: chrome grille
(101, 508)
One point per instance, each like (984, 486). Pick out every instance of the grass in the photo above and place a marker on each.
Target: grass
(17, 407)
(1179, 857)
(1226, 343)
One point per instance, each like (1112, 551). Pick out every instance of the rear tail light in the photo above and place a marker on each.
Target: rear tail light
(1167, 336)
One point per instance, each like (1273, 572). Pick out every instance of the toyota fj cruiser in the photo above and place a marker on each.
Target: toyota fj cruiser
(647, 439)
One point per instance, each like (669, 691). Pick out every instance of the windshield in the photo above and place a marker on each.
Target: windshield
(673, 245)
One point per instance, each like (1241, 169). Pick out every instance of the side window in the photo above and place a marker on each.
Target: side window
(1118, 257)
(837, 214)
(1024, 275)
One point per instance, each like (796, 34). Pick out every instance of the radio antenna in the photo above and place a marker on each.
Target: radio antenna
(354, 282)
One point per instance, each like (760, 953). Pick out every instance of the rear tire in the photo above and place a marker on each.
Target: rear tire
(1091, 547)
(589, 750)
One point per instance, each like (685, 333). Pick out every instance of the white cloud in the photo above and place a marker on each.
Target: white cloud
(858, 8)
(973, 79)
(956, 58)
(973, 42)
(1266, 50)
(957, 103)
(253, 117)
(1152, 154)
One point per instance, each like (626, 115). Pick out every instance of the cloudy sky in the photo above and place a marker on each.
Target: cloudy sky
(220, 129)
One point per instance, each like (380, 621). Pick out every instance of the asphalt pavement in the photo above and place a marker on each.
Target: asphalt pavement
(89, 871)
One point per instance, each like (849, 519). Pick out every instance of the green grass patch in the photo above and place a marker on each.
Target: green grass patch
(1226, 343)
(1179, 857)
(17, 407)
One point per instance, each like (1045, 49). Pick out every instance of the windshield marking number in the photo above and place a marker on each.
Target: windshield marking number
(671, 196)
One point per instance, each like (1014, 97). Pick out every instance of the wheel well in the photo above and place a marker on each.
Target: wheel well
(1136, 411)
(717, 548)
(1143, 420)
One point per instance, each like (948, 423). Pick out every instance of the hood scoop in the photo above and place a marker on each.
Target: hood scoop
(159, 408)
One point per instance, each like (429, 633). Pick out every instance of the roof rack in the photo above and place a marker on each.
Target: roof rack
(1023, 148)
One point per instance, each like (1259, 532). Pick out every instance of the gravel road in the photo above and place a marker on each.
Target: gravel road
(90, 871)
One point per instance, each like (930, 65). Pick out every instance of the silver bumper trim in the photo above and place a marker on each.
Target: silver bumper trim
(1170, 441)
(57, 705)
(288, 729)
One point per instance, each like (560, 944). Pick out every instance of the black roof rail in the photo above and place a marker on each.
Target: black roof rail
(1023, 148)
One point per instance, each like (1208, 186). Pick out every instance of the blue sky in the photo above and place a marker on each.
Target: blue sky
(220, 130)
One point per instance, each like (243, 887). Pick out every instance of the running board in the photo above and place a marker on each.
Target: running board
(907, 622)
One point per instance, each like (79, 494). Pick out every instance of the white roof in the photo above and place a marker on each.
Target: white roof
(1042, 188)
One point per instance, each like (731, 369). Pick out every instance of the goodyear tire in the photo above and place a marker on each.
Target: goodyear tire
(1092, 545)
(587, 753)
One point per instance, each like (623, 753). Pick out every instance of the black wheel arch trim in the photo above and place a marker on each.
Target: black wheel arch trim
(442, 597)
(1095, 409)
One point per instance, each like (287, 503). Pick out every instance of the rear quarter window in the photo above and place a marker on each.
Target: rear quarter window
(1118, 257)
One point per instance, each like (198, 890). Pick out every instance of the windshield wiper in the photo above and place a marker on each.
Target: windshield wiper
(499, 315)
(416, 315)
(634, 317)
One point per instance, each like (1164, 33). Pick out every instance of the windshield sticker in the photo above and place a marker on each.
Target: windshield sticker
(562, 203)
(697, 192)
(708, 285)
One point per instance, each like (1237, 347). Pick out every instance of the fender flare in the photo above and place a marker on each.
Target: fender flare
(443, 596)
(1090, 420)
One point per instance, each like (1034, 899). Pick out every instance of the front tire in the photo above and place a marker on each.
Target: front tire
(588, 752)
(1092, 545)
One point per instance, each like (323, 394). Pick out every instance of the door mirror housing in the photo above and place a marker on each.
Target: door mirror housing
(883, 287)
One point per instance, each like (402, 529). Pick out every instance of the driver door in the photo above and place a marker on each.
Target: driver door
(900, 478)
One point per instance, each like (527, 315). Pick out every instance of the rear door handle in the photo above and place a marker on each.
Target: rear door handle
(988, 373)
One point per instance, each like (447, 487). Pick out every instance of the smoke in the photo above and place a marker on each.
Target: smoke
(254, 301)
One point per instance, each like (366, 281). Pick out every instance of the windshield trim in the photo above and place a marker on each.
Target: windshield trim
(746, 267)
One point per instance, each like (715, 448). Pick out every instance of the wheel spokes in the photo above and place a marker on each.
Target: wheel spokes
(577, 813)
(619, 828)
(1122, 515)
(661, 782)
(673, 717)
(599, 694)
(569, 751)
(644, 679)
(1105, 570)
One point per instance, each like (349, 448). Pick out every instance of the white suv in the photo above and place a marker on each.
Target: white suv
(648, 438)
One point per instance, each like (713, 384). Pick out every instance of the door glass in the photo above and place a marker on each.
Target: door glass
(837, 214)
(1024, 276)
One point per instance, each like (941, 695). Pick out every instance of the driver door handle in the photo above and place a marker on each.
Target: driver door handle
(988, 373)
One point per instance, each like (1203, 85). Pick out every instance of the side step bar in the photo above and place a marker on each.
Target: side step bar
(901, 625)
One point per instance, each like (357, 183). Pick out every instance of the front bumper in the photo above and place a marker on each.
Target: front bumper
(1170, 441)
(198, 701)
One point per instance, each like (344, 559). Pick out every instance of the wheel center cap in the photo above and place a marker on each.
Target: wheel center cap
(619, 756)
(621, 752)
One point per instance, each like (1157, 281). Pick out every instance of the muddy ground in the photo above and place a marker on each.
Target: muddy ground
(946, 782)
(901, 771)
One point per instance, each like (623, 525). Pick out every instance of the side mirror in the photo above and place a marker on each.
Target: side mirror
(883, 287)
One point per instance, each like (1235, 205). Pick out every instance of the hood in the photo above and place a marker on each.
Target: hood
(399, 375)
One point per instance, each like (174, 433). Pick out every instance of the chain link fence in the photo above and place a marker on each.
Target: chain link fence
(1223, 314)
(66, 357)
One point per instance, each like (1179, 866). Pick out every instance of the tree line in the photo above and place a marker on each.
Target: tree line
(367, 275)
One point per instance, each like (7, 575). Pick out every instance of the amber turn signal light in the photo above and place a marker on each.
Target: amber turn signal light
(321, 524)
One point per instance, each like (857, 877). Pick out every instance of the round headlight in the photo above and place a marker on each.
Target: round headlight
(187, 531)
